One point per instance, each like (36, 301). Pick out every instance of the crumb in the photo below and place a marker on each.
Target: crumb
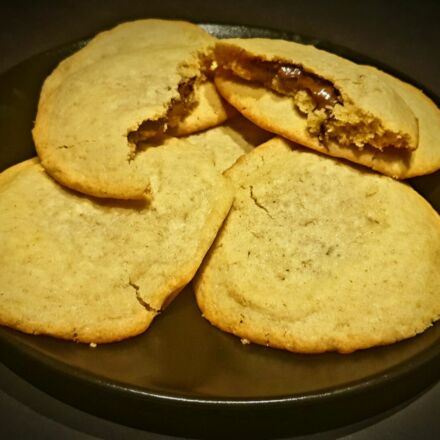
(245, 341)
(92, 345)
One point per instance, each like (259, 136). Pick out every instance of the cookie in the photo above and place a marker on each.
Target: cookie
(313, 97)
(317, 255)
(127, 86)
(95, 270)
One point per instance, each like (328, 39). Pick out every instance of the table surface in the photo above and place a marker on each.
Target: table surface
(403, 35)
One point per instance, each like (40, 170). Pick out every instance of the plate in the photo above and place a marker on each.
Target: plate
(185, 377)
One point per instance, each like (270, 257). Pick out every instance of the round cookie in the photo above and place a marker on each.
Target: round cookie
(94, 270)
(316, 255)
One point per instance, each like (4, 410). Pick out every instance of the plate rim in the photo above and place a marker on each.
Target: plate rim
(376, 380)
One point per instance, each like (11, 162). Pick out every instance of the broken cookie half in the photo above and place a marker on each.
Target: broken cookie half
(91, 125)
(94, 270)
(313, 97)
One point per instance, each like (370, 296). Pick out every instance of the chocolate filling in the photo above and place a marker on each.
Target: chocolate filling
(288, 79)
(328, 117)
(179, 108)
(147, 130)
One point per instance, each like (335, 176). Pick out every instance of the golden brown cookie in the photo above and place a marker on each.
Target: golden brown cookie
(95, 270)
(128, 85)
(316, 255)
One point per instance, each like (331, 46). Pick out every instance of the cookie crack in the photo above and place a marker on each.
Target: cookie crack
(257, 203)
(151, 133)
(141, 301)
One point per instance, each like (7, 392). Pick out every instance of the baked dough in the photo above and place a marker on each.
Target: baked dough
(223, 145)
(128, 85)
(94, 270)
(317, 255)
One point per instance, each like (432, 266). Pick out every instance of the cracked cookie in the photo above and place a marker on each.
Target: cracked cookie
(316, 255)
(137, 82)
(100, 270)
(317, 99)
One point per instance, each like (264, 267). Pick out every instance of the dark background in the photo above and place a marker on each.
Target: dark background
(404, 35)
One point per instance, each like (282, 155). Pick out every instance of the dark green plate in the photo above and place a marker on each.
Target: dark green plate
(187, 378)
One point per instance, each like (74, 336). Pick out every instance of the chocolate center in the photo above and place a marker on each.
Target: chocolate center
(178, 110)
(288, 79)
